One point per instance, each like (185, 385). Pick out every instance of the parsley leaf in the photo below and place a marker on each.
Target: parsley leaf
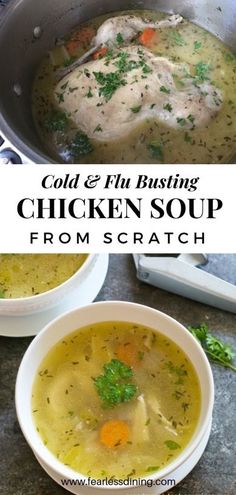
(172, 445)
(197, 45)
(136, 109)
(218, 351)
(168, 107)
(229, 57)
(156, 150)
(81, 144)
(191, 118)
(202, 70)
(150, 469)
(98, 128)
(56, 121)
(119, 39)
(123, 63)
(163, 89)
(113, 387)
(60, 97)
(109, 83)
(89, 93)
(187, 138)
(181, 121)
(69, 61)
(177, 38)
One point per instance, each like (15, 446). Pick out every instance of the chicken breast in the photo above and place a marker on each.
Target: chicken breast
(128, 27)
(109, 97)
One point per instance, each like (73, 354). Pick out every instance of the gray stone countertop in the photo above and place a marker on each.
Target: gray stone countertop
(215, 474)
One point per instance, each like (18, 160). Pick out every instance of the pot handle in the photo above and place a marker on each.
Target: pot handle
(7, 155)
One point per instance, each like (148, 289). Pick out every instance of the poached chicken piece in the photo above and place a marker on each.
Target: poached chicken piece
(128, 26)
(108, 97)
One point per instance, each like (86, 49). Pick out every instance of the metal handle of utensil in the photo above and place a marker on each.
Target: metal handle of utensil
(184, 279)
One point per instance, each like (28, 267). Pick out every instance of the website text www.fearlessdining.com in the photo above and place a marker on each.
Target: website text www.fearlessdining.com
(118, 482)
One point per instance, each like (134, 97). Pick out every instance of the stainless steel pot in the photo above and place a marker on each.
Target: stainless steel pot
(22, 47)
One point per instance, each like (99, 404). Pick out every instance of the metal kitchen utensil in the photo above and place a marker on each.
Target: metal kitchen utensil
(180, 273)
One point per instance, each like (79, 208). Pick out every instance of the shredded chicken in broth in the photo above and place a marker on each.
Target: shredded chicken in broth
(150, 88)
(116, 399)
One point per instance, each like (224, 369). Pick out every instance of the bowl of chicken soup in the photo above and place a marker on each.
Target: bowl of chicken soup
(136, 82)
(115, 392)
(30, 283)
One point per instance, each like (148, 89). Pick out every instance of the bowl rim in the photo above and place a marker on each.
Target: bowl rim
(38, 298)
(67, 472)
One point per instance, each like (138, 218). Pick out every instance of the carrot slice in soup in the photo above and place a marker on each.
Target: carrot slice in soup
(83, 36)
(100, 53)
(147, 36)
(114, 433)
(127, 353)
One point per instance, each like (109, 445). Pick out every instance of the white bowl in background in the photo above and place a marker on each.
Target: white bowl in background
(114, 311)
(40, 302)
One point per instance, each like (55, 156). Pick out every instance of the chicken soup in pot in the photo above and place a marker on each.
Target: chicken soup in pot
(152, 88)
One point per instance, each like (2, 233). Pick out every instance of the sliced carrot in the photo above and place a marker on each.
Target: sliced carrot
(100, 53)
(147, 36)
(83, 36)
(127, 353)
(114, 433)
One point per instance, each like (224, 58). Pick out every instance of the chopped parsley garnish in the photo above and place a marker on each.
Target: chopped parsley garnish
(69, 61)
(177, 38)
(181, 121)
(98, 128)
(150, 469)
(156, 150)
(71, 90)
(217, 350)
(123, 64)
(201, 70)
(136, 109)
(141, 356)
(197, 45)
(187, 137)
(89, 93)
(64, 86)
(56, 121)
(60, 97)
(172, 445)
(119, 39)
(114, 386)
(163, 89)
(81, 144)
(191, 118)
(145, 68)
(109, 83)
(178, 370)
(229, 57)
(109, 55)
(168, 107)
